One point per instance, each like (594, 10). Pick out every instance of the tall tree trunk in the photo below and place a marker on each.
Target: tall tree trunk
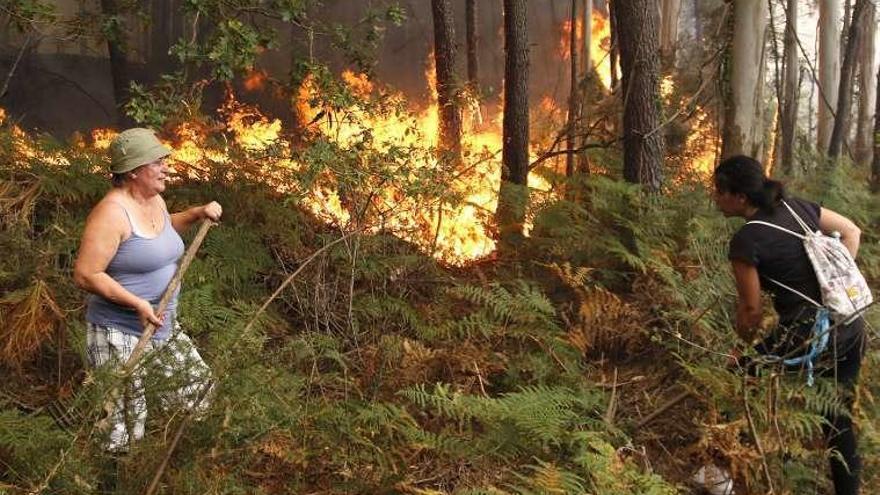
(588, 37)
(643, 147)
(114, 30)
(473, 61)
(867, 93)
(875, 163)
(847, 19)
(613, 50)
(513, 195)
(790, 102)
(845, 90)
(587, 79)
(829, 70)
(160, 34)
(742, 121)
(698, 23)
(573, 94)
(670, 11)
(447, 83)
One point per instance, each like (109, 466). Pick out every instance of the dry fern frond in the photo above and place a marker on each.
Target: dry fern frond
(606, 324)
(29, 317)
(17, 202)
(573, 276)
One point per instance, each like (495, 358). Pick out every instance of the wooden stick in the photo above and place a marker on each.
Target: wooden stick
(662, 409)
(150, 328)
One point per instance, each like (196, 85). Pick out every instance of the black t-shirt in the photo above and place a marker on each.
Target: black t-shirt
(781, 256)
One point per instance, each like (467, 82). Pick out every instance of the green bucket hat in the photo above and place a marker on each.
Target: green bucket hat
(133, 148)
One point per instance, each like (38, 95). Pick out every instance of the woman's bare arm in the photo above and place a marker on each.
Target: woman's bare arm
(850, 234)
(748, 302)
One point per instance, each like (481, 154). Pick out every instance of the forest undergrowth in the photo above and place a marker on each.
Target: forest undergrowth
(382, 370)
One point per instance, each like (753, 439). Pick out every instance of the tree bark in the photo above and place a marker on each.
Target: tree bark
(829, 70)
(643, 146)
(847, 70)
(573, 95)
(513, 195)
(875, 163)
(447, 84)
(670, 11)
(790, 102)
(473, 61)
(867, 92)
(588, 37)
(613, 50)
(116, 48)
(160, 34)
(742, 133)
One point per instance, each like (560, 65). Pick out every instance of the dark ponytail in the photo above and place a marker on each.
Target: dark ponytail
(745, 175)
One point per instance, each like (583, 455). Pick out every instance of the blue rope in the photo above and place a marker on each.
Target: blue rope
(818, 343)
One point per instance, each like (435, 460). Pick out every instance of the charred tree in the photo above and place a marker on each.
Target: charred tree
(447, 83)
(742, 132)
(643, 146)
(867, 92)
(829, 69)
(115, 33)
(847, 71)
(574, 94)
(473, 61)
(513, 195)
(790, 90)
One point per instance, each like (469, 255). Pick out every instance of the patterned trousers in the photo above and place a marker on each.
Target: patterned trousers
(173, 368)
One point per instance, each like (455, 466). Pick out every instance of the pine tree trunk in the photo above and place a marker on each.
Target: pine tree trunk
(513, 195)
(643, 147)
(742, 121)
(790, 105)
(473, 61)
(573, 94)
(847, 71)
(867, 93)
(447, 84)
(116, 48)
(829, 70)
(670, 11)
(698, 24)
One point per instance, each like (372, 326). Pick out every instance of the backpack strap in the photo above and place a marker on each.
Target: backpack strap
(761, 222)
(797, 218)
(806, 297)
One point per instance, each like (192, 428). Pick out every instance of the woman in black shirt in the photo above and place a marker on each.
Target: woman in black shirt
(759, 253)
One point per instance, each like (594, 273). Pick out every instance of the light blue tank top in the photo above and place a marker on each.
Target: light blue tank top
(144, 266)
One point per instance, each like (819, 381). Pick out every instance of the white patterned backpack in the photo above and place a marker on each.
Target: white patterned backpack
(845, 294)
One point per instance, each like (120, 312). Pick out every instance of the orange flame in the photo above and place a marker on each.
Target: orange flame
(600, 45)
(700, 145)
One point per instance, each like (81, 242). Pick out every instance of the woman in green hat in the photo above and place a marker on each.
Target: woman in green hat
(127, 257)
